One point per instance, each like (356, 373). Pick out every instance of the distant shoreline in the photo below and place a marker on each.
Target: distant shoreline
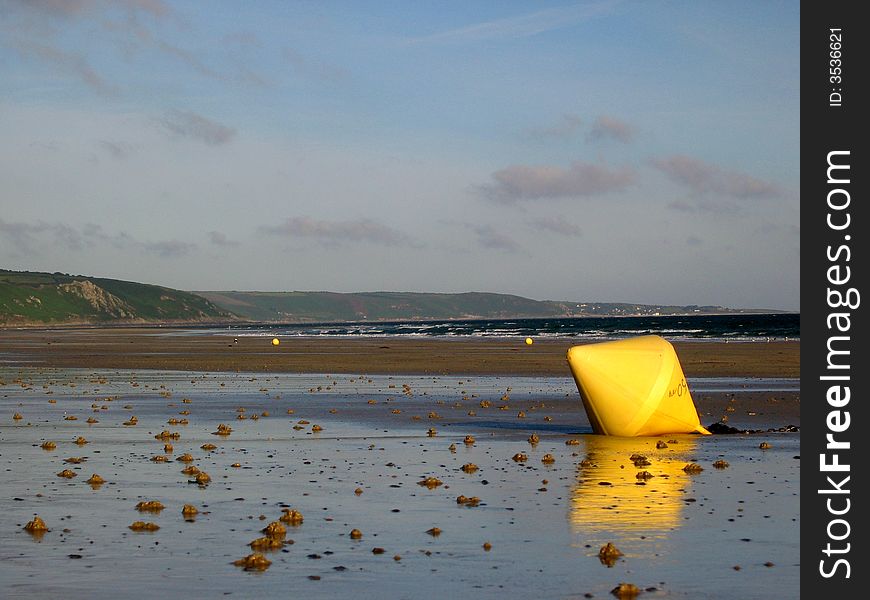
(62, 325)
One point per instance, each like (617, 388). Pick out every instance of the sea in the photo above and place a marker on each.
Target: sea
(732, 327)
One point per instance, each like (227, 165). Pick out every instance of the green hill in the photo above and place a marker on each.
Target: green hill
(30, 298)
(379, 306)
(385, 306)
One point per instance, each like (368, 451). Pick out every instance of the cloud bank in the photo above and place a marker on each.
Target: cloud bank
(703, 178)
(359, 230)
(35, 238)
(521, 182)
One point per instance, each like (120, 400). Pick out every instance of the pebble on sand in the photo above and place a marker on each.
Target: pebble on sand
(36, 525)
(639, 460)
(625, 591)
(430, 482)
(275, 529)
(223, 429)
(608, 554)
(267, 543)
(464, 500)
(292, 516)
(202, 478)
(253, 562)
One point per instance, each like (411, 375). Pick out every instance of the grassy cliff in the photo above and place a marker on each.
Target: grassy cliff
(30, 298)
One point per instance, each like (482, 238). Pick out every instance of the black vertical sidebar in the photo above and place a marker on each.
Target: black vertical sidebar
(835, 223)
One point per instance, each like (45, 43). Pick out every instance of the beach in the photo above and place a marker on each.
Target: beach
(192, 350)
(467, 468)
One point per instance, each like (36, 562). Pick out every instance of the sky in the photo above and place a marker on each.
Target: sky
(601, 150)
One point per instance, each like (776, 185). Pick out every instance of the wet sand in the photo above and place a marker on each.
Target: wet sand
(378, 437)
(152, 348)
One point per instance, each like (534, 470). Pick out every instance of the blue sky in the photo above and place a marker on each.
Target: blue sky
(606, 150)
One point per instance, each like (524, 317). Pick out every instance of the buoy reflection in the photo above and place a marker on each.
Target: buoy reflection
(609, 497)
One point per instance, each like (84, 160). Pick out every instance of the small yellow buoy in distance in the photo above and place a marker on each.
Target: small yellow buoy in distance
(275, 341)
(529, 341)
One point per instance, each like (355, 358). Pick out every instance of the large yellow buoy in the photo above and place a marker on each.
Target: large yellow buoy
(275, 341)
(634, 387)
(529, 341)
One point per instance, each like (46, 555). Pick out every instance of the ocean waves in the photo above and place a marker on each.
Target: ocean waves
(734, 327)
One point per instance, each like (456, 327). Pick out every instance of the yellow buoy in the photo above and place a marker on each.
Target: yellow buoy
(275, 341)
(529, 341)
(634, 387)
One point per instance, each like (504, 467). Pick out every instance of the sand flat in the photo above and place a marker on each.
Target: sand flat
(179, 349)
(545, 522)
